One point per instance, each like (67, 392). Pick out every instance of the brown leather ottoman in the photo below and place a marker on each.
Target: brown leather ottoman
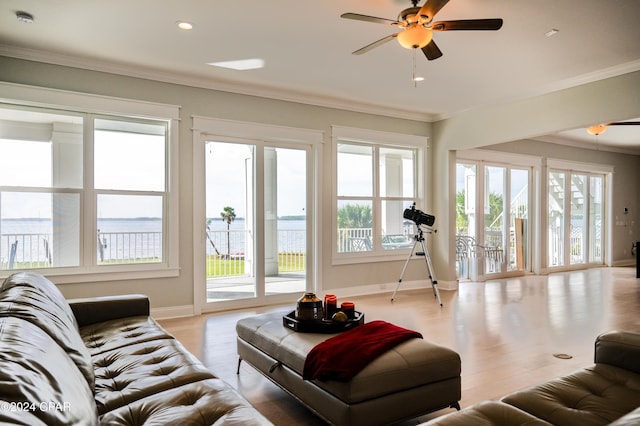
(414, 378)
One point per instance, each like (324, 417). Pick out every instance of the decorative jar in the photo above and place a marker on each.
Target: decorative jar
(309, 308)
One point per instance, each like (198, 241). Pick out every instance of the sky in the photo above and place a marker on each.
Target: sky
(225, 165)
(29, 164)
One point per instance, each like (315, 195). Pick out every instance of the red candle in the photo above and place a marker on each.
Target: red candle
(330, 305)
(348, 308)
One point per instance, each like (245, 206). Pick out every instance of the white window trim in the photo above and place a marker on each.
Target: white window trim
(41, 97)
(374, 137)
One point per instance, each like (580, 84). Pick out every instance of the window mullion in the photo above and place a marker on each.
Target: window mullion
(88, 200)
(377, 205)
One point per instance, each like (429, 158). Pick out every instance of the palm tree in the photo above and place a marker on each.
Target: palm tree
(355, 216)
(462, 219)
(228, 214)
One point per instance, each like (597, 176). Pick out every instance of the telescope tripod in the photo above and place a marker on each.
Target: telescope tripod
(419, 238)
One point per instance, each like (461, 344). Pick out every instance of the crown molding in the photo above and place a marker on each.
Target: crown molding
(559, 140)
(557, 86)
(243, 88)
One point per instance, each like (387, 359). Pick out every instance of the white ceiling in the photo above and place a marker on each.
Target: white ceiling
(307, 49)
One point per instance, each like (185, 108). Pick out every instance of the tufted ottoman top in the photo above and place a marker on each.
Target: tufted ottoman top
(413, 363)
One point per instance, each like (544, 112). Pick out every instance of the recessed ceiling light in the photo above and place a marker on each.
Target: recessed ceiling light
(240, 65)
(24, 17)
(551, 32)
(184, 25)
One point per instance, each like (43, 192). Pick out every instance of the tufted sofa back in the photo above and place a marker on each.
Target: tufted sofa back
(46, 372)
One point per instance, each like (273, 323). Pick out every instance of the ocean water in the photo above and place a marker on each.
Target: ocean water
(291, 234)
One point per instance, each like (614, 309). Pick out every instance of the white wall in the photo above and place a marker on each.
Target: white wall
(612, 99)
(209, 103)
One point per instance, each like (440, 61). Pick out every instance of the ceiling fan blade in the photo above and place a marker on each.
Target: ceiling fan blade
(624, 123)
(432, 51)
(431, 7)
(468, 24)
(375, 44)
(368, 18)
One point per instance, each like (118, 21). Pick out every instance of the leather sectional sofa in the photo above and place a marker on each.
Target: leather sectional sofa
(605, 393)
(101, 361)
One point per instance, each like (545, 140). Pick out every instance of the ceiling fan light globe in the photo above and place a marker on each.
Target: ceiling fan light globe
(415, 37)
(597, 129)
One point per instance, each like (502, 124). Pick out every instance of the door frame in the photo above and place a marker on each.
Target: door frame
(588, 169)
(206, 129)
(482, 158)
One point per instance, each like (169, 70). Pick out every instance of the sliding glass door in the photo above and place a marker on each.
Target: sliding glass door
(256, 221)
(285, 220)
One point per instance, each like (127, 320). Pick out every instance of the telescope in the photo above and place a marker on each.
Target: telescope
(418, 216)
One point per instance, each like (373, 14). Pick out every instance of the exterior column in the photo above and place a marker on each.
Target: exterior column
(67, 159)
(270, 212)
(392, 218)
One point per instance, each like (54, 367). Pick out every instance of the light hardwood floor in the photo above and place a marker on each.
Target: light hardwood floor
(506, 332)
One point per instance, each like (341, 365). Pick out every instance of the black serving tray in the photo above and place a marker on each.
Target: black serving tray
(322, 326)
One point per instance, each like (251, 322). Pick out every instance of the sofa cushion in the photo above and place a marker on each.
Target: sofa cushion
(597, 395)
(207, 402)
(35, 370)
(620, 349)
(631, 419)
(13, 416)
(109, 335)
(34, 298)
(42, 285)
(133, 372)
(488, 413)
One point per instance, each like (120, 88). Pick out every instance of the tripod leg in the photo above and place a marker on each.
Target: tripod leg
(434, 282)
(403, 269)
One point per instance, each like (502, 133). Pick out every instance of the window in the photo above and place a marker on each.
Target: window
(84, 193)
(129, 178)
(377, 176)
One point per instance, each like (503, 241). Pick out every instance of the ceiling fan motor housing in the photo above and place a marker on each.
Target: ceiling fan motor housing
(402, 17)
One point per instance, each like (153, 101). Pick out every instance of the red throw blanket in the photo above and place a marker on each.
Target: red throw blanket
(343, 356)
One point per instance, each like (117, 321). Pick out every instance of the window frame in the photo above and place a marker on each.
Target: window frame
(92, 107)
(377, 139)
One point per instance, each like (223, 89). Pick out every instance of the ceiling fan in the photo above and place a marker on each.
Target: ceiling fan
(417, 26)
(599, 129)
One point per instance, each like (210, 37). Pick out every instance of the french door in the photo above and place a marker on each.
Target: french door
(575, 218)
(256, 220)
(493, 220)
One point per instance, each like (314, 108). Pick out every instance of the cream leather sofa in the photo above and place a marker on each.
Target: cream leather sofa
(605, 393)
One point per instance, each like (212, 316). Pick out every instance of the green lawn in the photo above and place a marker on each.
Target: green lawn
(217, 266)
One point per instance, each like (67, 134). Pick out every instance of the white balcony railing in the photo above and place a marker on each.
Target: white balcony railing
(26, 250)
(225, 250)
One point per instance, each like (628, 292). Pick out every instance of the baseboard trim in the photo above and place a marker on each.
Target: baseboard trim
(390, 288)
(173, 312)
(625, 262)
(189, 310)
